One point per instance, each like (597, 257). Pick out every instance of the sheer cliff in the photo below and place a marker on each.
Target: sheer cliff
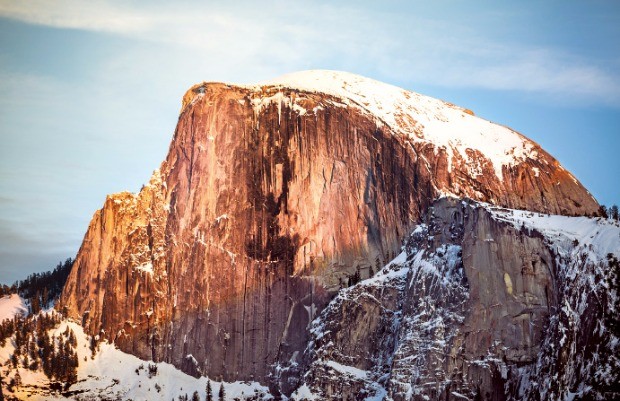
(483, 303)
(270, 197)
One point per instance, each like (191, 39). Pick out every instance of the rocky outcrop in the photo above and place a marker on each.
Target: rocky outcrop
(580, 355)
(269, 199)
(468, 299)
(476, 307)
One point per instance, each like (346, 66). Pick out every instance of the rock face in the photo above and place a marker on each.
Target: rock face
(272, 196)
(474, 308)
(472, 300)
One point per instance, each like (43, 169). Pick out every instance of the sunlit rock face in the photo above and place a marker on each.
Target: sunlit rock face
(270, 197)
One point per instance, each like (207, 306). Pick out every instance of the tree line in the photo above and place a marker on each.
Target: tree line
(35, 350)
(609, 213)
(221, 395)
(41, 289)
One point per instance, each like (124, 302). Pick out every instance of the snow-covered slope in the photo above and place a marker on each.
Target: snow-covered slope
(598, 235)
(10, 305)
(419, 117)
(112, 374)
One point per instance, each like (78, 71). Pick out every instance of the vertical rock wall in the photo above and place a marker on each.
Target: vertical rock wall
(268, 200)
(261, 217)
(465, 305)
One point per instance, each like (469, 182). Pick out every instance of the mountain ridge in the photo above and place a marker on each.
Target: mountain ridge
(270, 199)
(408, 113)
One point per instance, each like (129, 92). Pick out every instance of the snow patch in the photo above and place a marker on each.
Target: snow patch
(222, 217)
(348, 370)
(304, 392)
(11, 305)
(145, 267)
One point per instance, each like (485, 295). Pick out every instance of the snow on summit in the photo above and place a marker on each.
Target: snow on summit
(419, 117)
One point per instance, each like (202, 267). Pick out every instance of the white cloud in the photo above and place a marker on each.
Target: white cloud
(516, 68)
(252, 40)
(91, 15)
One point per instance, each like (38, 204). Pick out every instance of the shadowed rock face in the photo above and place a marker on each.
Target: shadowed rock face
(477, 307)
(468, 304)
(268, 200)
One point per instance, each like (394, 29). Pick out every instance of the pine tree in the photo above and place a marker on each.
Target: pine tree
(35, 305)
(93, 347)
(46, 351)
(60, 370)
(34, 365)
(222, 393)
(18, 378)
(45, 297)
(613, 211)
(195, 396)
(1, 394)
(72, 339)
(32, 349)
(209, 391)
(19, 340)
(72, 365)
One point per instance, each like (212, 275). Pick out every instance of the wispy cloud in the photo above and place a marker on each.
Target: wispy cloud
(95, 15)
(409, 48)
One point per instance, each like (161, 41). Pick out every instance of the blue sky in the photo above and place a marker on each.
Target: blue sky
(90, 91)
